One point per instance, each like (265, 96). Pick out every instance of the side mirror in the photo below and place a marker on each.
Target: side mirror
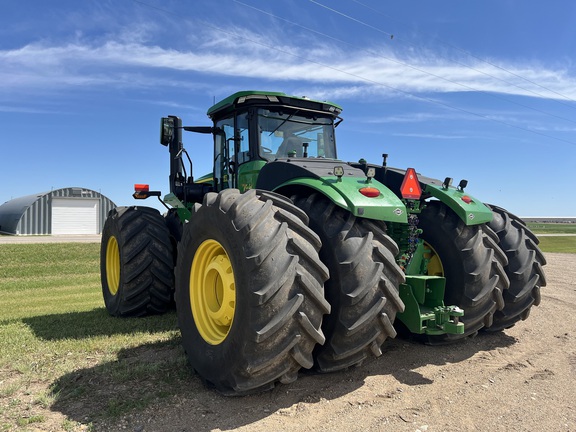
(166, 130)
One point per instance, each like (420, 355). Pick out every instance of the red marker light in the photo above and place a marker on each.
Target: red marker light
(370, 192)
(141, 188)
(410, 188)
(467, 199)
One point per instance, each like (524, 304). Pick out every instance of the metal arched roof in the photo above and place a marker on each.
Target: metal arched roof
(31, 214)
(11, 211)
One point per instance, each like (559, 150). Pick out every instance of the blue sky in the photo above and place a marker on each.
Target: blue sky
(479, 90)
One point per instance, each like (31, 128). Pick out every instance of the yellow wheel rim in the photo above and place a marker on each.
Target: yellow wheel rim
(212, 292)
(434, 263)
(112, 265)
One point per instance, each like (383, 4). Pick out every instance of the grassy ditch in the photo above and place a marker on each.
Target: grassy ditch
(64, 362)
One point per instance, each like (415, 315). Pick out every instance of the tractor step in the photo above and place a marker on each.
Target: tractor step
(425, 311)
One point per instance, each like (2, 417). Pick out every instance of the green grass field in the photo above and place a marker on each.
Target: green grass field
(558, 244)
(65, 363)
(552, 228)
(59, 347)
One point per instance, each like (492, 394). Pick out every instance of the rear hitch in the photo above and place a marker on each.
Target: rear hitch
(425, 311)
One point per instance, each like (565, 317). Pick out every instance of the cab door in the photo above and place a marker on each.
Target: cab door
(231, 150)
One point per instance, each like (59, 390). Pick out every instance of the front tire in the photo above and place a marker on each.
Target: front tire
(524, 269)
(363, 285)
(136, 264)
(472, 264)
(249, 291)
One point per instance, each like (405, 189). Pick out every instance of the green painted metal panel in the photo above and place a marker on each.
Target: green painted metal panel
(248, 174)
(473, 212)
(345, 192)
(183, 212)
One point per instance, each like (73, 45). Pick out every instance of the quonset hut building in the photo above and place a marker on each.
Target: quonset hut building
(70, 210)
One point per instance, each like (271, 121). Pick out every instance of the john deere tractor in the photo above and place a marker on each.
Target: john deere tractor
(285, 257)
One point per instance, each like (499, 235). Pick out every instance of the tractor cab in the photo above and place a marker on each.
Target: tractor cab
(250, 129)
(254, 128)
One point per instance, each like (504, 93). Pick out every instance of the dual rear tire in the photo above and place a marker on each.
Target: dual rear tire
(136, 263)
(257, 250)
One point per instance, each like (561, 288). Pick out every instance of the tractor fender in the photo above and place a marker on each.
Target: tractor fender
(469, 209)
(287, 176)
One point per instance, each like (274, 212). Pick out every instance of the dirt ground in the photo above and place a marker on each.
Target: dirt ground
(523, 379)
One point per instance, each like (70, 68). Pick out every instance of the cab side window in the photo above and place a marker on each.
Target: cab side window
(222, 153)
(232, 139)
(242, 134)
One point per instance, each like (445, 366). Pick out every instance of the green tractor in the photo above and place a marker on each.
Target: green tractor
(285, 257)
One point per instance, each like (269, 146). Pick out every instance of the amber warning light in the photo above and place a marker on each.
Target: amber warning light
(410, 188)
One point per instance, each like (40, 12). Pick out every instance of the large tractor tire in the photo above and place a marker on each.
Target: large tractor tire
(136, 263)
(472, 264)
(249, 291)
(363, 285)
(524, 269)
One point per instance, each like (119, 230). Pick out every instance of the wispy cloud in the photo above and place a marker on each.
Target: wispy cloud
(129, 61)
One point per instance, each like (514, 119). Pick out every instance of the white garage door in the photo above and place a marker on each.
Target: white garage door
(74, 216)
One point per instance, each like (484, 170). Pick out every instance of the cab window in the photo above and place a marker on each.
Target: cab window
(284, 134)
(232, 140)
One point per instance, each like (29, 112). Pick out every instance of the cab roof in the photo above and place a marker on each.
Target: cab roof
(256, 97)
